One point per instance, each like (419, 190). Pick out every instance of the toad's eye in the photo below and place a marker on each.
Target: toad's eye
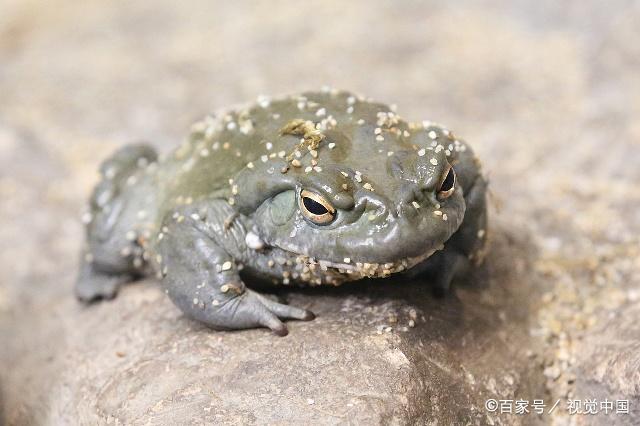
(448, 184)
(316, 208)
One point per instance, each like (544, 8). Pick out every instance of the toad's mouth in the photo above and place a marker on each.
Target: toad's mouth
(349, 256)
(369, 269)
(317, 272)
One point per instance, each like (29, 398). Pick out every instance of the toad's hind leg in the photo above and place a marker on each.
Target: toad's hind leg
(93, 285)
(112, 254)
(443, 268)
(466, 247)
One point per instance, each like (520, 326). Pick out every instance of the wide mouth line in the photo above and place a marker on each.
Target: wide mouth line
(392, 267)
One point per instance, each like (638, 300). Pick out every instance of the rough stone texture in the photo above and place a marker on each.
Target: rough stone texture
(548, 94)
(138, 360)
(609, 365)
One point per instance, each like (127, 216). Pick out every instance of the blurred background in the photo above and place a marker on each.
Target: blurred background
(547, 93)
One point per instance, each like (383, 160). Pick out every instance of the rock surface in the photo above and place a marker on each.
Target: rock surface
(376, 353)
(547, 94)
(608, 365)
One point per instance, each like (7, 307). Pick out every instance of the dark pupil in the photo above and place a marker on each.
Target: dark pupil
(448, 181)
(314, 207)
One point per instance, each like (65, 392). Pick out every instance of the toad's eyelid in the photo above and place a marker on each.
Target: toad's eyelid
(445, 173)
(318, 199)
(339, 198)
(445, 193)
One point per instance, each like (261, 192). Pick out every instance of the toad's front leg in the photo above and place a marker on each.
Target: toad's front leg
(202, 279)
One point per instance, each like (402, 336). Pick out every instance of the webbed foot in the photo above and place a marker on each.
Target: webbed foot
(99, 287)
(251, 309)
(93, 284)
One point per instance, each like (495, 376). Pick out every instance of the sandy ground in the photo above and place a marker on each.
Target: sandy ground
(547, 93)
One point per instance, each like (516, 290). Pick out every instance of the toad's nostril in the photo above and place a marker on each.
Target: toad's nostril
(376, 215)
(412, 197)
(409, 210)
(376, 212)
(409, 192)
(373, 206)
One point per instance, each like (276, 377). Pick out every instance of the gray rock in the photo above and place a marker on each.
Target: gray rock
(608, 365)
(377, 353)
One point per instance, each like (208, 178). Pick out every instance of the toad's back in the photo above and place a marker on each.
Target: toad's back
(222, 145)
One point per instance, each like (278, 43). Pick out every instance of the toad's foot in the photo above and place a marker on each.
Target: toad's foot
(100, 286)
(97, 284)
(251, 309)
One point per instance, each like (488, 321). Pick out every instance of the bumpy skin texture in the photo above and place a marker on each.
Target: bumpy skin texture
(225, 209)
